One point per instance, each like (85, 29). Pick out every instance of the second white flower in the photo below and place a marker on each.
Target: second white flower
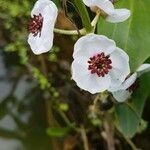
(112, 15)
(41, 26)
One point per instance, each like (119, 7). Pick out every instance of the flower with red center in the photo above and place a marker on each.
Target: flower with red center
(98, 64)
(124, 90)
(41, 26)
(106, 6)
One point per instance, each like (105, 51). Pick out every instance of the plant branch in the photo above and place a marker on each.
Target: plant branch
(84, 138)
(48, 104)
(95, 20)
(81, 31)
(131, 143)
(109, 129)
(70, 32)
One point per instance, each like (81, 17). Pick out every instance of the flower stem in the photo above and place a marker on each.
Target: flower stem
(131, 143)
(84, 15)
(95, 20)
(84, 138)
(70, 32)
(81, 31)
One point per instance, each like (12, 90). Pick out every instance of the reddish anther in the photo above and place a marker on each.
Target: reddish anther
(100, 64)
(35, 25)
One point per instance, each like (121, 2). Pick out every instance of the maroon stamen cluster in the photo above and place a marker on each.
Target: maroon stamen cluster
(35, 25)
(100, 64)
(134, 86)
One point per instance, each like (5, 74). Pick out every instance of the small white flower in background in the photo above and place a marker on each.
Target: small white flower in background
(98, 63)
(112, 15)
(125, 90)
(41, 26)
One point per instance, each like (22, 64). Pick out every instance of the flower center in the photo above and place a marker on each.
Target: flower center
(35, 25)
(100, 64)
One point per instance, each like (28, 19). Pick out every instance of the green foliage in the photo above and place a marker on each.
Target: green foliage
(53, 55)
(128, 116)
(41, 78)
(14, 17)
(132, 35)
(63, 106)
(57, 132)
(96, 122)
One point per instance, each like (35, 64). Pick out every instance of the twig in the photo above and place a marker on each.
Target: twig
(109, 135)
(48, 103)
(131, 143)
(95, 20)
(67, 121)
(70, 32)
(81, 31)
(84, 138)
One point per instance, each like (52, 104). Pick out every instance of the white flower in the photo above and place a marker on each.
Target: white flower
(112, 15)
(41, 26)
(124, 91)
(98, 63)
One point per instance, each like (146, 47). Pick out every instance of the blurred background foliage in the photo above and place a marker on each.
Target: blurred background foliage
(41, 108)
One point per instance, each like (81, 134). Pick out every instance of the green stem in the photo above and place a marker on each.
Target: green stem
(67, 121)
(95, 20)
(133, 146)
(81, 31)
(70, 32)
(84, 15)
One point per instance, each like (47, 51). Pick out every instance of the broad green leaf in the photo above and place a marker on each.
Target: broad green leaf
(57, 131)
(129, 116)
(127, 120)
(133, 35)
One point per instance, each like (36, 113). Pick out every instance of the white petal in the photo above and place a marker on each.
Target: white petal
(43, 43)
(119, 15)
(143, 69)
(115, 84)
(120, 64)
(40, 6)
(93, 44)
(87, 81)
(129, 81)
(104, 5)
(121, 95)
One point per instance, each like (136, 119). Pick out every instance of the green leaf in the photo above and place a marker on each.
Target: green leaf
(81, 8)
(132, 35)
(127, 120)
(57, 132)
(128, 116)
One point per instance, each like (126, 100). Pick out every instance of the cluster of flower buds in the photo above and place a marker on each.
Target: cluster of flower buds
(98, 64)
